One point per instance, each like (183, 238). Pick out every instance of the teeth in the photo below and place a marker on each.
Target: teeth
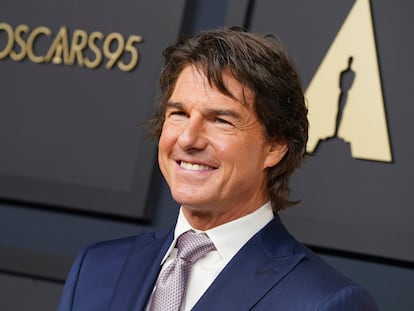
(194, 167)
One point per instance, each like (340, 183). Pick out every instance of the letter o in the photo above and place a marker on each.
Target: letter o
(9, 46)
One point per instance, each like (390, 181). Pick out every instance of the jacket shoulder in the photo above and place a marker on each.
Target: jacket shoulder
(97, 269)
(323, 287)
(119, 248)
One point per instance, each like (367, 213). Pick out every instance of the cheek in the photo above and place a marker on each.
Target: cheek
(220, 148)
(162, 143)
(164, 148)
(163, 153)
(166, 140)
(228, 145)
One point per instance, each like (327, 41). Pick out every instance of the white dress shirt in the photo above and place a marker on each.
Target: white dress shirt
(228, 240)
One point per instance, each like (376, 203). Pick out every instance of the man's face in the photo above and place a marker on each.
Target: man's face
(212, 150)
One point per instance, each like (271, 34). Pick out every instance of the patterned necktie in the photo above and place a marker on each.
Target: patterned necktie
(172, 282)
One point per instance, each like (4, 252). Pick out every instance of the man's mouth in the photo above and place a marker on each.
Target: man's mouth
(195, 167)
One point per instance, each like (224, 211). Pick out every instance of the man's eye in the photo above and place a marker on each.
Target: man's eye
(222, 121)
(177, 113)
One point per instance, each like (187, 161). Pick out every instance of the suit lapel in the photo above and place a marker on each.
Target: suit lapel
(255, 269)
(140, 271)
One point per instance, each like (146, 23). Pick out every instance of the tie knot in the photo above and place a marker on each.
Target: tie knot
(192, 246)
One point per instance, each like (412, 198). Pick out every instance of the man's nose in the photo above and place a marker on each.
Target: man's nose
(193, 136)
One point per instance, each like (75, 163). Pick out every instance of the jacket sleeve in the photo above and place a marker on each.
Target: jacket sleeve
(69, 290)
(352, 297)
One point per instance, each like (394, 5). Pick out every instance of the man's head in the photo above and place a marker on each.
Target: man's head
(270, 85)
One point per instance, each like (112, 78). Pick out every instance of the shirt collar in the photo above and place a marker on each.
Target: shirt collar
(228, 238)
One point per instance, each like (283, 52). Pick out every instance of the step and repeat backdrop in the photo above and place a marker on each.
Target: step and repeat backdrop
(355, 58)
(78, 81)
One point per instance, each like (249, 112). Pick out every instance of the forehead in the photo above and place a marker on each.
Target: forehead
(193, 79)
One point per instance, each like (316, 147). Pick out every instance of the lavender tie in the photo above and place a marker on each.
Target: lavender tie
(172, 282)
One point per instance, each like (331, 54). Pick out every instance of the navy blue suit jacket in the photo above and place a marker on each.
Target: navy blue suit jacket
(272, 271)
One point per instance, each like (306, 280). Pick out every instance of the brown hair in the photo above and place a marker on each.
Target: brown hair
(261, 63)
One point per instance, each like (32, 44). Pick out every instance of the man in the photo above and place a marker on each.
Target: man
(231, 127)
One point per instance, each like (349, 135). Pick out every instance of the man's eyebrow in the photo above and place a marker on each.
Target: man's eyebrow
(177, 105)
(208, 111)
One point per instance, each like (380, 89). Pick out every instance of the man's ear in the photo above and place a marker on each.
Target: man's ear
(276, 152)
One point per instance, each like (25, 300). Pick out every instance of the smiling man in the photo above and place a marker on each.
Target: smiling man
(213, 151)
(231, 129)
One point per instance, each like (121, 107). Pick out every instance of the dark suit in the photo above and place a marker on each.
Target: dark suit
(271, 272)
